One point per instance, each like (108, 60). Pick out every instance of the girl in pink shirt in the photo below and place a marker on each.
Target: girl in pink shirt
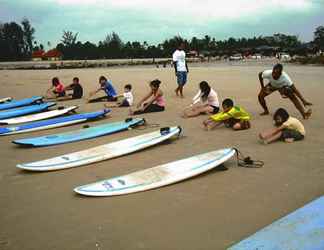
(56, 90)
(152, 102)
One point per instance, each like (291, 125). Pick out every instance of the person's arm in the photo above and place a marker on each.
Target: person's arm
(159, 94)
(144, 99)
(261, 80)
(175, 66)
(92, 93)
(277, 130)
(187, 67)
(69, 87)
(196, 98)
(221, 117)
(296, 91)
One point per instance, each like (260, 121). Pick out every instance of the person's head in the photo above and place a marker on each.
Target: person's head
(205, 89)
(227, 104)
(76, 80)
(55, 81)
(102, 80)
(181, 46)
(276, 71)
(280, 116)
(155, 84)
(127, 88)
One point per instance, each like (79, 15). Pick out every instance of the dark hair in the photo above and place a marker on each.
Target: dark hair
(228, 103)
(55, 81)
(102, 78)
(278, 66)
(205, 90)
(128, 86)
(155, 83)
(282, 113)
(76, 79)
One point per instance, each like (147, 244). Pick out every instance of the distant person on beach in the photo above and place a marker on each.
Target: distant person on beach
(152, 102)
(204, 102)
(232, 116)
(56, 90)
(181, 68)
(127, 96)
(75, 88)
(288, 129)
(280, 81)
(107, 87)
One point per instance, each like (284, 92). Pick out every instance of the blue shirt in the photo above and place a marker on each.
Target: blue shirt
(109, 89)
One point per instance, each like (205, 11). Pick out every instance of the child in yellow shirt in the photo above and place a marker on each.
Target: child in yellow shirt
(288, 129)
(232, 116)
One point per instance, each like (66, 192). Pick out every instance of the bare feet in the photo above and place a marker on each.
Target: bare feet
(130, 112)
(307, 114)
(264, 113)
(177, 92)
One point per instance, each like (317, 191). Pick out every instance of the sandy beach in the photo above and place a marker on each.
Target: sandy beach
(211, 211)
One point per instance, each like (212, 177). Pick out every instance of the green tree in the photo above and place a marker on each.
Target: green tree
(319, 37)
(28, 37)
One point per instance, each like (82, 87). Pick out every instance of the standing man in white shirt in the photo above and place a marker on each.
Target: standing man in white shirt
(181, 68)
(280, 81)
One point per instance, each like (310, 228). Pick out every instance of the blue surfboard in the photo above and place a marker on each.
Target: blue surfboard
(301, 230)
(53, 123)
(20, 103)
(81, 134)
(26, 110)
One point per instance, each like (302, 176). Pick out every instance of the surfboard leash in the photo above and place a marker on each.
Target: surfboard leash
(247, 162)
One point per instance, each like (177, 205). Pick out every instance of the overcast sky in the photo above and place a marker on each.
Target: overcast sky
(155, 20)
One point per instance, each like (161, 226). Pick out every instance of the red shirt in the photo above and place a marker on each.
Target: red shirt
(59, 88)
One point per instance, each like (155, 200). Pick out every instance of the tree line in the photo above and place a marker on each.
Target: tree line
(17, 42)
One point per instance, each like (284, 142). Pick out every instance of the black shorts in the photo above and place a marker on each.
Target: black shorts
(291, 134)
(59, 94)
(231, 122)
(124, 103)
(149, 109)
(285, 90)
(215, 109)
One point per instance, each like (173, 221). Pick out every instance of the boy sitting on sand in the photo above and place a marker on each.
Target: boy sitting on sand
(76, 88)
(127, 100)
(288, 129)
(232, 116)
(107, 87)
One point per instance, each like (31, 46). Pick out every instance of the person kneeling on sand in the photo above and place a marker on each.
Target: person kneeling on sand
(107, 87)
(232, 116)
(56, 90)
(205, 101)
(152, 102)
(288, 129)
(280, 81)
(127, 100)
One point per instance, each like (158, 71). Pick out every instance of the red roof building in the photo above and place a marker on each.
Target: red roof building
(53, 54)
(38, 55)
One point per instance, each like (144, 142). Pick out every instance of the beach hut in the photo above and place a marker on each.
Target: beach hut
(53, 55)
(38, 55)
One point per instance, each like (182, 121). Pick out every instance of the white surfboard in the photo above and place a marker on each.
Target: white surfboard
(38, 116)
(103, 152)
(5, 99)
(157, 176)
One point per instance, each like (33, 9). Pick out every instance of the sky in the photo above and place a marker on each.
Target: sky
(156, 20)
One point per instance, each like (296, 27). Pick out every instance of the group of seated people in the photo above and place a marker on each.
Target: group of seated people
(206, 101)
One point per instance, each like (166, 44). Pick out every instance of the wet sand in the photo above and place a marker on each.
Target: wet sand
(211, 211)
